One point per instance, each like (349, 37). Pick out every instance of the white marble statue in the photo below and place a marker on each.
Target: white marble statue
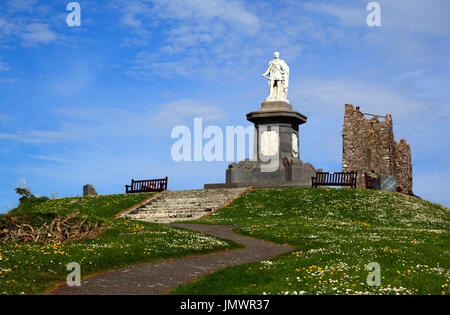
(278, 76)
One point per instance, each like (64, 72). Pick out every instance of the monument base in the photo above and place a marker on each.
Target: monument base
(257, 185)
(276, 157)
(291, 173)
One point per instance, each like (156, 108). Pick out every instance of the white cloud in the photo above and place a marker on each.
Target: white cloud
(38, 33)
(185, 16)
(34, 136)
(29, 23)
(327, 97)
(233, 13)
(135, 15)
(48, 158)
(409, 30)
(150, 64)
(89, 124)
(406, 17)
(416, 17)
(346, 15)
(6, 28)
(134, 41)
(8, 80)
(211, 35)
(21, 5)
(183, 111)
(4, 66)
(197, 35)
(4, 117)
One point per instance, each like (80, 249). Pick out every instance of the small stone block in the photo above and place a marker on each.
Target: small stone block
(89, 190)
(386, 183)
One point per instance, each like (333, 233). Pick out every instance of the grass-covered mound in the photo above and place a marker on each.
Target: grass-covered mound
(33, 267)
(336, 233)
(27, 224)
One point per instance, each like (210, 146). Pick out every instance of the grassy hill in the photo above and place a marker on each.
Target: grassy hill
(336, 233)
(30, 267)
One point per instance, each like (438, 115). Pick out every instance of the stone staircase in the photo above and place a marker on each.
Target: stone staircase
(172, 206)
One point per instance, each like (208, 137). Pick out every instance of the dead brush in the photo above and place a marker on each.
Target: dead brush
(60, 230)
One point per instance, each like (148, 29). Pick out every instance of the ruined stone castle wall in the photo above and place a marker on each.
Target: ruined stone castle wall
(369, 147)
(403, 167)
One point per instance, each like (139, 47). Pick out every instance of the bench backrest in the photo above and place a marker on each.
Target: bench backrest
(336, 178)
(148, 185)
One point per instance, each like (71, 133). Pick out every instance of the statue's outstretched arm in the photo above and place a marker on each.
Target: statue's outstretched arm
(265, 74)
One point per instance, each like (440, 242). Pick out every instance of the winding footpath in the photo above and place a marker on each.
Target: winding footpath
(159, 277)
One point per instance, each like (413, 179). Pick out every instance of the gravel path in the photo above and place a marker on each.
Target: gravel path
(161, 276)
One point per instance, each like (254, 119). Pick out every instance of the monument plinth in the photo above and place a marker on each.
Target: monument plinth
(276, 155)
(276, 131)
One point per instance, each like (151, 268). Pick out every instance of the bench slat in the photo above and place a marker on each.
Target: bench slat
(334, 179)
(147, 185)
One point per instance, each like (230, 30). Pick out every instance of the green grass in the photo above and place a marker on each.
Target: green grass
(336, 233)
(33, 268)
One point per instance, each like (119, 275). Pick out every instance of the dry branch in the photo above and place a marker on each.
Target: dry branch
(60, 230)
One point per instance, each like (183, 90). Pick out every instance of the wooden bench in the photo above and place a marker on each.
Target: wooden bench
(334, 179)
(147, 185)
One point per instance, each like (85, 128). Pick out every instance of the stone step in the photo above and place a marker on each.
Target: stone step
(168, 215)
(182, 206)
(149, 213)
(200, 193)
(159, 218)
(171, 206)
(190, 204)
(167, 220)
(173, 211)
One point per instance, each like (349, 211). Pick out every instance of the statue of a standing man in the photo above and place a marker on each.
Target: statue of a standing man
(278, 76)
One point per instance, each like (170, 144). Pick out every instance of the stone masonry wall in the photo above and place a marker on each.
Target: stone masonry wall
(369, 147)
(403, 167)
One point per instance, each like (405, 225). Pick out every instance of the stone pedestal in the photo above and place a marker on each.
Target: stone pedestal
(276, 157)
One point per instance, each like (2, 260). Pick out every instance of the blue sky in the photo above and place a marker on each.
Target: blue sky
(96, 104)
